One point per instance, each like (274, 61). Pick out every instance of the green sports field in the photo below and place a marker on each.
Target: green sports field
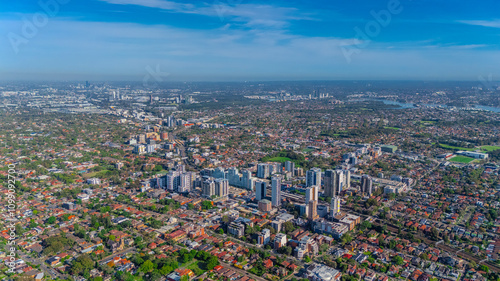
(462, 159)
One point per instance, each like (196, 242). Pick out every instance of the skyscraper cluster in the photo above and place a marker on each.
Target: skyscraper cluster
(335, 181)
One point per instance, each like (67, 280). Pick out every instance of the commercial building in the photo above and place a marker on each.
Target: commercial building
(317, 272)
(389, 148)
(476, 155)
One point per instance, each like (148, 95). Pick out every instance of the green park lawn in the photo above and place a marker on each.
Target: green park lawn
(456, 147)
(279, 159)
(489, 148)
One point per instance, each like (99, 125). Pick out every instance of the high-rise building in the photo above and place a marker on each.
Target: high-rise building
(342, 180)
(312, 193)
(313, 177)
(289, 166)
(347, 178)
(141, 138)
(208, 188)
(183, 183)
(366, 185)
(313, 209)
(260, 190)
(276, 191)
(263, 171)
(170, 180)
(329, 183)
(335, 206)
(221, 187)
(140, 149)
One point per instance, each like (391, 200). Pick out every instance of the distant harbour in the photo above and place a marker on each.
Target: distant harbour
(411, 105)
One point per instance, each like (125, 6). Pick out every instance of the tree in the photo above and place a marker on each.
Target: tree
(212, 262)
(147, 267)
(288, 226)
(398, 260)
(51, 220)
(484, 268)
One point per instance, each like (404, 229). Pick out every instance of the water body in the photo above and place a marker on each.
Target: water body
(410, 105)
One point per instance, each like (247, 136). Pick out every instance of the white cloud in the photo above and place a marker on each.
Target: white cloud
(100, 48)
(250, 15)
(485, 23)
(160, 4)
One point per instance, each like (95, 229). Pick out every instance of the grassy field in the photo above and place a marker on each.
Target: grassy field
(279, 159)
(393, 128)
(489, 148)
(462, 159)
(456, 147)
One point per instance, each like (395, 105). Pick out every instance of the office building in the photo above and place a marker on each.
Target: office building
(366, 185)
(329, 183)
(289, 166)
(263, 171)
(276, 191)
(260, 190)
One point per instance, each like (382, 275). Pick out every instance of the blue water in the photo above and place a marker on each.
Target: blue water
(410, 105)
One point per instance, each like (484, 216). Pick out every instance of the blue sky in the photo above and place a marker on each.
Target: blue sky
(226, 40)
